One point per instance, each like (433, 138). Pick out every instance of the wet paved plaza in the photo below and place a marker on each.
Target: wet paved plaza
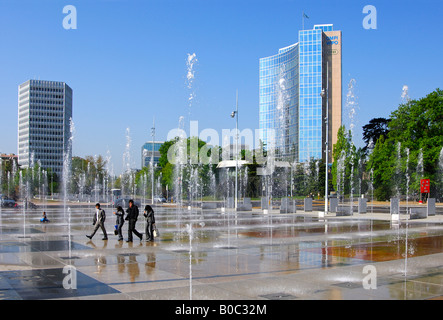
(207, 255)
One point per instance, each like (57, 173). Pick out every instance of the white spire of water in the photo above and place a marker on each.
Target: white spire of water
(192, 59)
(351, 106)
(405, 94)
(190, 76)
(127, 153)
(66, 173)
(281, 111)
(440, 160)
(440, 170)
(420, 169)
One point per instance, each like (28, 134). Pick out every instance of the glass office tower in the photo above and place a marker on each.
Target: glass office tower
(310, 102)
(290, 102)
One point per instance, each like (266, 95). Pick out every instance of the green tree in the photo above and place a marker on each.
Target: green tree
(86, 173)
(193, 161)
(373, 130)
(381, 163)
(415, 128)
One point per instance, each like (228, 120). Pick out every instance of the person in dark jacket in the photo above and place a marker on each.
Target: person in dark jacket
(150, 221)
(119, 222)
(99, 222)
(131, 217)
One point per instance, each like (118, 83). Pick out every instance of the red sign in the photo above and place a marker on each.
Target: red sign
(425, 186)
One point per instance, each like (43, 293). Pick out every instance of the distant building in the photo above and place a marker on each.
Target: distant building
(9, 158)
(44, 119)
(147, 154)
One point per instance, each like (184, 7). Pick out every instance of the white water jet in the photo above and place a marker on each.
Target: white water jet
(282, 98)
(405, 95)
(351, 106)
(190, 232)
(66, 176)
(190, 62)
(398, 171)
(340, 175)
(372, 191)
(180, 150)
(351, 196)
(420, 169)
(127, 187)
(1, 186)
(23, 194)
(407, 179)
(440, 171)
(190, 77)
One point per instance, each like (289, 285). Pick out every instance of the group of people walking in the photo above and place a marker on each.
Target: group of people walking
(132, 214)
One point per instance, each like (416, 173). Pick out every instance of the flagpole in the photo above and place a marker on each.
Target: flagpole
(303, 21)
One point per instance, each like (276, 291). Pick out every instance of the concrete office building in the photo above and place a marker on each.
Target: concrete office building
(291, 105)
(44, 118)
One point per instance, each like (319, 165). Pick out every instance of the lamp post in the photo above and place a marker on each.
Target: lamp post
(235, 114)
(152, 159)
(325, 93)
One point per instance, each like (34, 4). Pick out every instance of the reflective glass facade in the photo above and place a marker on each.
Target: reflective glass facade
(290, 102)
(279, 100)
(311, 80)
(324, 27)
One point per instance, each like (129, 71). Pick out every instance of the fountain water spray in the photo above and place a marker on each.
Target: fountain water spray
(190, 63)
(23, 194)
(190, 76)
(1, 185)
(420, 168)
(405, 95)
(351, 197)
(127, 163)
(340, 175)
(372, 191)
(351, 106)
(180, 150)
(440, 171)
(407, 179)
(190, 232)
(281, 110)
(66, 176)
(398, 170)
(67, 161)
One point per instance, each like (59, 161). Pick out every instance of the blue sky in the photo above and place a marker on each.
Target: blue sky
(126, 61)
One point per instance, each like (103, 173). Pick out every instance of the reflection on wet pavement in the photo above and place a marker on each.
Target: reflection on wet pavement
(231, 255)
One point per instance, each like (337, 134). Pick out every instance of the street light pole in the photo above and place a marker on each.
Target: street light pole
(323, 94)
(235, 114)
(152, 159)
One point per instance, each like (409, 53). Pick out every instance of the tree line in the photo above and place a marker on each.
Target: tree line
(399, 151)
